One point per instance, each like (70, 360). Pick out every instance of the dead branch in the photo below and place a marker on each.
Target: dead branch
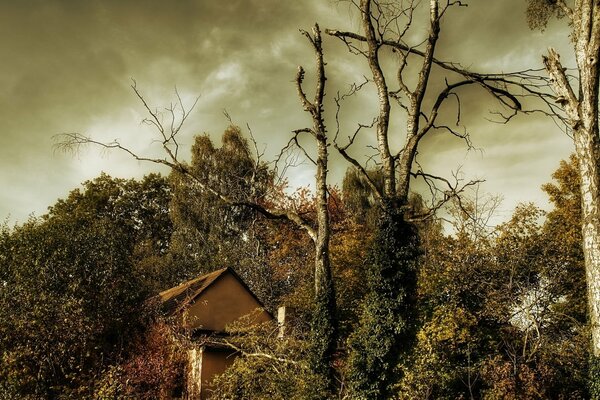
(453, 192)
(238, 349)
(530, 81)
(74, 142)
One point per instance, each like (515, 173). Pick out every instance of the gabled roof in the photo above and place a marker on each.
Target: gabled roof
(179, 297)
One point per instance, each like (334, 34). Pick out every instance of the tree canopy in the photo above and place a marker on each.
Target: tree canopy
(395, 294)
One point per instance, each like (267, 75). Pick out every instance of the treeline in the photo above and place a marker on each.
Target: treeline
(499, 312)
(487, 313)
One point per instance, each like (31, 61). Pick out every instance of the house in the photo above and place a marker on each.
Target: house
(206, 305)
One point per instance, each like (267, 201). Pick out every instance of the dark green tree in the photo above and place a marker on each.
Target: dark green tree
(386, 323)
(72, 294)
(210, 233)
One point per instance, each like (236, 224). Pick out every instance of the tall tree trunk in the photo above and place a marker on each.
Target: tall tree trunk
(587, 145)
(324, 323)
(323, 326)
(383, 119)
(582, 113)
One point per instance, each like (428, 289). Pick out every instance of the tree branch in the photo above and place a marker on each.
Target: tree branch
(75, 141)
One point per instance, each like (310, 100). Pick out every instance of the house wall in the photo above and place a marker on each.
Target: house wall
(204, 364)
(222, 303)
(214, 362)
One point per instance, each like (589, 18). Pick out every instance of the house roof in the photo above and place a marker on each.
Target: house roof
(179, 297)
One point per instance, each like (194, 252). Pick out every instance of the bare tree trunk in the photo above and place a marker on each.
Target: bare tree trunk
(323, 279)
(414, 134)
(582, 113)
(323, 327)
(587, 145)
(383, 120)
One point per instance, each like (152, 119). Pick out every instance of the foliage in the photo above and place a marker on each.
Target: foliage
(490, 315)
(268, 366)
(156, 363)
(443, 358)
(209, 233)
(594, 374)
(358, 196)
(504, 313)
(562, 230)
(539, 13)
(452, 282)
(70, 293)
(386, 319)
(348, 252)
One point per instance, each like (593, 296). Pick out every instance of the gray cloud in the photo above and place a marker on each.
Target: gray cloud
(67, 66)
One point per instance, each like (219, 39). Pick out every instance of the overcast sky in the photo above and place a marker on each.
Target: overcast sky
(67, 66)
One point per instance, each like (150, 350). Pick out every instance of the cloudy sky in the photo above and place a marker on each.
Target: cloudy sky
(67, 66)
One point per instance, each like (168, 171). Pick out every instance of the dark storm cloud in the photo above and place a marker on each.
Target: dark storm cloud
(66, 66)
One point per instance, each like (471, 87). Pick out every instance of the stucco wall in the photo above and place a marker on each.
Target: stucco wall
(225, 301)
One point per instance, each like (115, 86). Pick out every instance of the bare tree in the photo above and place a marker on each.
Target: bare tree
(579, 101)
(387, 25)
(574, 102)
(324, 329)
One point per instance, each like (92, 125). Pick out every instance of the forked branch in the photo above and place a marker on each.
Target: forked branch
(75, 141)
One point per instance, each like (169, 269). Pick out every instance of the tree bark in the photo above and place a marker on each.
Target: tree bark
(582, 114)
(413, 136)
(383, 120)
(323, 326)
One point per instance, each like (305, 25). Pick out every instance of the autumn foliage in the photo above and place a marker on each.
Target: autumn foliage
(483, 312)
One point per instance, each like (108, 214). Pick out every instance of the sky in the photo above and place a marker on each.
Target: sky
(68, 66)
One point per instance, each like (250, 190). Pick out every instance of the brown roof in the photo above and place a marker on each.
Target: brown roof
(180, 296)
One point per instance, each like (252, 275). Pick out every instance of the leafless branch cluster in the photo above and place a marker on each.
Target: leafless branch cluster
(442, 191)
(168, 128)
(167, 123)
(389, 25)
